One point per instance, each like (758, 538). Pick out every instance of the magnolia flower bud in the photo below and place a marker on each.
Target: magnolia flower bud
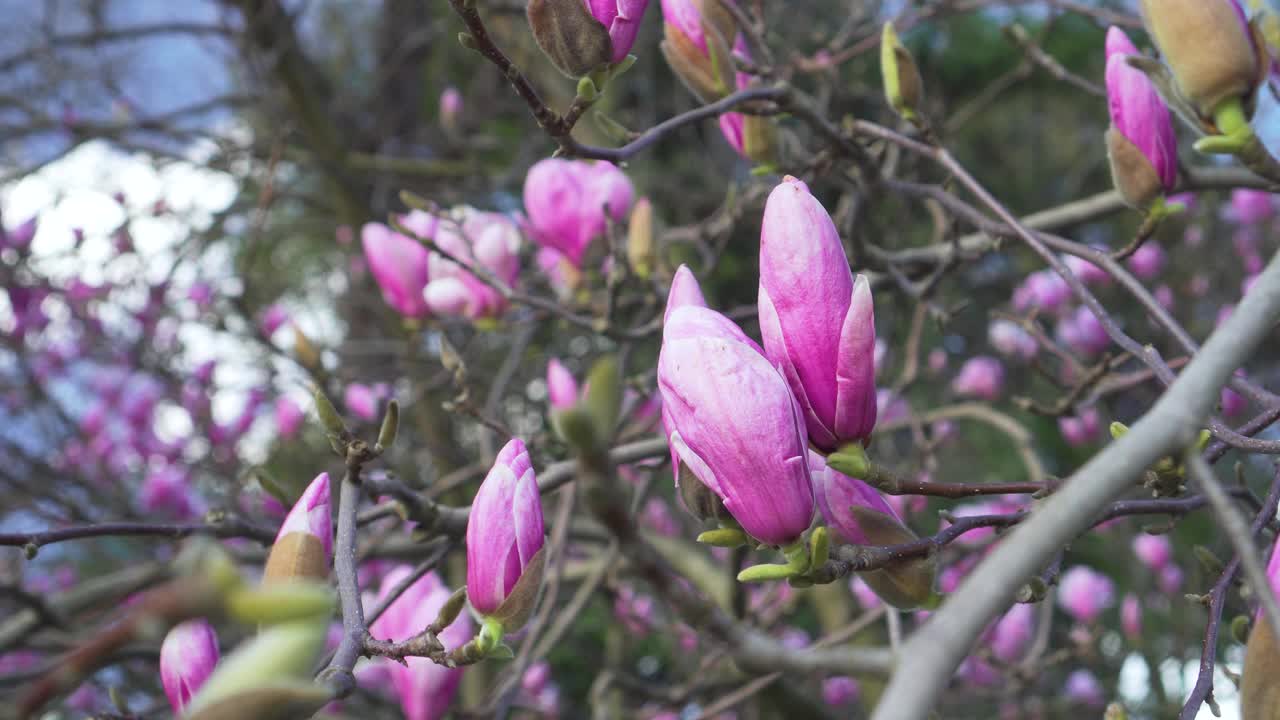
(839, 690)
(451, 109)
(816, 319)
(640, 238)
(562, 388)
(903, 88)
(697, 37)
(860, 515)
(1154, 551)
(980, 377)
(187, 657)
(1083, 688)
(425, 689)
(1131, 617)
(1209, 47)
(304, 545)
(566, 201)
(504, 540)
(399, 265)
(268, 676)
(732, 420)
(574, 41)
(479, 242)
(1084, 593)
(1140, 143)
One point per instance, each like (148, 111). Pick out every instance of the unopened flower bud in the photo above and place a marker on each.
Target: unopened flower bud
(187, 657)
(304, 546)
(504, 540)
(697, 42)
(640, 238)
(903, 88)
(574, 41)
(1210, 48)
(269, 675)
(1141, 145)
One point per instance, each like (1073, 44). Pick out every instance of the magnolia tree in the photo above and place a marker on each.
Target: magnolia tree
(643, 360)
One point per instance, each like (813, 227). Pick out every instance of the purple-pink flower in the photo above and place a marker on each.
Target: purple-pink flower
(504, 531)
(361, 400)
(1131, 616)
(187, 658)
(424, 688)
(1137, 112)
(1011, 340)
(1084, 593)
(622, 19)
(1250, 207)
(1147, 261)
(732, 421)
(1083, 688)
(566, 202)
(562, 388)
(311, 515)
(1154, 551)
(837, 493)
(816, 319)
(839, 690)
(399, 266)
(981, 377)
(483, 242)
(289, 417)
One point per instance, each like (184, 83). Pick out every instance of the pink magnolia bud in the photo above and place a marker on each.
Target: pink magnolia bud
(566, 202)
(504, 533)
(1083, 688)
(1045, 290)
(187, 658)
(837, 494)
(697, 35)
(1233, 403)
(1250, 207)
(484, 241)
(1012, 633)
(1083, 333)
(622, 18)
(535, 679)
(1010, 340)
(425, 689)
(562, 274)
(289, 417)
(1141, 144)
(361, 401)
(839, 690)
(1154, 551)
(451, 108)
(1131, 616)
(752, 137)
(311, 516)
(1148, 261)
(1170, 579)
(399, 266)
(168, 491)
(733, 423)
(1080, 429)
(1084, 593)
(980, 377)
(1088, 273)
(684, 291)
(816, 319)
(562, 388)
